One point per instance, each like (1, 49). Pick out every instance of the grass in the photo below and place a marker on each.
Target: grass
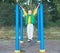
(9, 33)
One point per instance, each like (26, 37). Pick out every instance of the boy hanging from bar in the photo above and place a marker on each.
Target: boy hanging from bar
(30, 21)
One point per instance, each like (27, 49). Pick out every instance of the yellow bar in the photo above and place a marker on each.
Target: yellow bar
(43, 51)
(38, 41)
(21, 42)
(17, 51)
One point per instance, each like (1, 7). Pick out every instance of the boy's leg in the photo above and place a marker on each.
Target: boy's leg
(30, 30)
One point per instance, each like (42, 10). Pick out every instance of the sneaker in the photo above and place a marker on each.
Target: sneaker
(29, 40)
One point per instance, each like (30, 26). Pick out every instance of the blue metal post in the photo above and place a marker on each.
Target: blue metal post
(17, 20)
(39, 25)
(21, 25)
(42, 29)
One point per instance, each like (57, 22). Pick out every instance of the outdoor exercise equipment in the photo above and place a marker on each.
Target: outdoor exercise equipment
(40, 15)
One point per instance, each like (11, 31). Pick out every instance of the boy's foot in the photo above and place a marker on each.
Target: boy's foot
(29, 40)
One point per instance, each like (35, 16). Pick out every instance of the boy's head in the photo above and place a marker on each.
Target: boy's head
(29, 12)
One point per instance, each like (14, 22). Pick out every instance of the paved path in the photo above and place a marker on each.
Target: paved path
(8, 46)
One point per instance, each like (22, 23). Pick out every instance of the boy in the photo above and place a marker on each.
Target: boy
(30, 21)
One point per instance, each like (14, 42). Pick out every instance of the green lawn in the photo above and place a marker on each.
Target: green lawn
(9, 33)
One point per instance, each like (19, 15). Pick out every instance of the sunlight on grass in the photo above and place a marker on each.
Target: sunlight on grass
(9, 33)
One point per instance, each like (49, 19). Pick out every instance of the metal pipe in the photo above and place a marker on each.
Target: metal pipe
(17, 20)
(21, 25)
(42, 49)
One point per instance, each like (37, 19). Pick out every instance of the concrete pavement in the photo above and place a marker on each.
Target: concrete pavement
(51, 46)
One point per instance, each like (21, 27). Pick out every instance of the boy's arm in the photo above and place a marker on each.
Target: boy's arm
(35, 10)
(25, 13)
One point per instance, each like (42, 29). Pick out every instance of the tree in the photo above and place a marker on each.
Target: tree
(52, 9)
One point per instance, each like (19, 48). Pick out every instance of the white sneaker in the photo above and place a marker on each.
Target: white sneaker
(29, 40)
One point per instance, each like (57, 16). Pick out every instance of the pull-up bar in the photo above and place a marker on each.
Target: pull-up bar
(40, 15)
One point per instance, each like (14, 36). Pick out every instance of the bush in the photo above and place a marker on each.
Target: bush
(7, 15)
(58, 22)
